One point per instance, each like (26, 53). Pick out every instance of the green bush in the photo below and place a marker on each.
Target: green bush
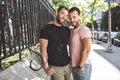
(118, 35)
(15, 58)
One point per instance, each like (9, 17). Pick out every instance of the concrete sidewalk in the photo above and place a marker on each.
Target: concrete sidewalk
(105, 66)
(22, 71)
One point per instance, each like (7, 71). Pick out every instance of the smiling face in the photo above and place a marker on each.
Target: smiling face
(74, 18)
(62, 16)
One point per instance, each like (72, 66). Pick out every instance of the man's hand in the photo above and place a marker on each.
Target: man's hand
(51, 22)
(80, 68)
(50, 71)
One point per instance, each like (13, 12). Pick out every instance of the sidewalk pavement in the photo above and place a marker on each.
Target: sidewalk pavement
(22, 71)
(105, 66)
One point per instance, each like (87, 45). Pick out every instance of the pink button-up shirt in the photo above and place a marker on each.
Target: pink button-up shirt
(76, 36)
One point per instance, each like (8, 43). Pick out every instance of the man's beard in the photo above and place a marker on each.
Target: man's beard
(58, 20)
(77, 24)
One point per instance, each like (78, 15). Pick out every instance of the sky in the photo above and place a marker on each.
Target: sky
(84, 1)
(78, 1)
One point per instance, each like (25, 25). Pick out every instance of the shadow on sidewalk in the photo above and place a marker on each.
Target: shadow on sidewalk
(113, 58)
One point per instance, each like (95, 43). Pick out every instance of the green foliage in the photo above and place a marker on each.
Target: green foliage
(86, 7)
(115, 20)
(118, 35)
(13, 59)
(94, 23)
(57, 3)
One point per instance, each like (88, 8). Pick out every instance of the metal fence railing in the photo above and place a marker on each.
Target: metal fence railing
(20, 24)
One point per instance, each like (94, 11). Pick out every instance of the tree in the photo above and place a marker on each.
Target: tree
(57, 3)
(115, 20)
(87, 8)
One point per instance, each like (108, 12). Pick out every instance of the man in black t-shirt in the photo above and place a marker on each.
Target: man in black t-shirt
(53, 47)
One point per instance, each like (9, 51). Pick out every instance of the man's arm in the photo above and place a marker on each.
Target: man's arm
(43, 52)
(86, 43)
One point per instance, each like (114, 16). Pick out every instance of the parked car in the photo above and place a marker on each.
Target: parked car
(100, 34)
(117, 40)
(113, 34)
(103, 34)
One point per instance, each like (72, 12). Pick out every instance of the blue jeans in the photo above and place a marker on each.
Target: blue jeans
(83, 74)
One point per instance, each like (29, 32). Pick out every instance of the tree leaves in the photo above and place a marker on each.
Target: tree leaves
(85, 6)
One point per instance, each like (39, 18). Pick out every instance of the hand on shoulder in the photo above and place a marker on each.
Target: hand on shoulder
(50, 22)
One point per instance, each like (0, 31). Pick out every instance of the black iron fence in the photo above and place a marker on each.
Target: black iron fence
(20, 24)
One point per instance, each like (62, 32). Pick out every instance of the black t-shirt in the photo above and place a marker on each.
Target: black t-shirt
(57, 44)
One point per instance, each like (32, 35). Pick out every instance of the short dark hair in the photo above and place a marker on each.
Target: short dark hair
(61, 7)
(74, 9)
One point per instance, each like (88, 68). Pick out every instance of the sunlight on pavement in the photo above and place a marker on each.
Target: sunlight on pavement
(101, 68)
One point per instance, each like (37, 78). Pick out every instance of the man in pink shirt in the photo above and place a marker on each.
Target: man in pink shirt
(80, 45)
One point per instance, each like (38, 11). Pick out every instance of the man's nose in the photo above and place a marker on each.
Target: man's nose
(65, 17)
(71, 20)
